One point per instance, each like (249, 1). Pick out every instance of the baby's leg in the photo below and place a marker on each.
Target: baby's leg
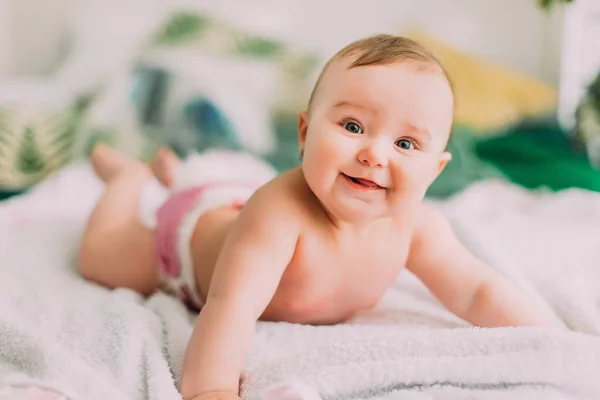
(117, 250)
(164, 166)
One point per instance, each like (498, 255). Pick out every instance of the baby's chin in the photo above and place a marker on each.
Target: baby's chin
(356, 210)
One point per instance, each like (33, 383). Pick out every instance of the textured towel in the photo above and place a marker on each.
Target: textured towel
(63, 334)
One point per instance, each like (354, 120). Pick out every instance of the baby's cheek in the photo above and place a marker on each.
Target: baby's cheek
(410, 176)
(326, 149)
(332, 154)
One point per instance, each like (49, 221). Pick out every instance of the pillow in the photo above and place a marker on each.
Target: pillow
(38, 127)
(196, 31)
(199, 82)
(489, 96)
(168, 76)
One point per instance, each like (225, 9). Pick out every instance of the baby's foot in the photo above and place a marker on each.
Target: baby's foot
(108, 164)
(164, 166)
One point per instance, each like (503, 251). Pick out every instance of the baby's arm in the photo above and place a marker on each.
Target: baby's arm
(464, 284)
(247, 274)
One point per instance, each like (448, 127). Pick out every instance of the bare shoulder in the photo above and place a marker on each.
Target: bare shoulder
(276, 202)
(433, 233)
(432, 221)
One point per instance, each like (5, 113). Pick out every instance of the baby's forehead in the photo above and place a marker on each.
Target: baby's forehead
(340, 73)
(384, 82)
(402, 89)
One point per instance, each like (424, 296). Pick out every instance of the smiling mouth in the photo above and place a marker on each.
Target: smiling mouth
(361, 183)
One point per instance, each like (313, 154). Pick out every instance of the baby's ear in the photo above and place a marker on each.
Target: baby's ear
(302, 128)
(444, 159)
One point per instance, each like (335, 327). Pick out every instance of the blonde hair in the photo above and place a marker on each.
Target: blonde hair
(384, 49)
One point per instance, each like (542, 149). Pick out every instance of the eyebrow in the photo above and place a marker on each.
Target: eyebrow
(421, 131)
(346, 103)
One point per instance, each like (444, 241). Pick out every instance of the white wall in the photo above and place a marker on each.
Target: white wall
(37, 27)
(513, 32)
(5, 39)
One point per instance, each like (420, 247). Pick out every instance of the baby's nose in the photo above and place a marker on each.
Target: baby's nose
(373, 155)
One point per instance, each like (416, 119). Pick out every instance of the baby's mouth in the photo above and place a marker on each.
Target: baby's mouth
(362, 183)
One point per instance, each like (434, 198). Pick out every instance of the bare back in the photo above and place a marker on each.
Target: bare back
(332, 274)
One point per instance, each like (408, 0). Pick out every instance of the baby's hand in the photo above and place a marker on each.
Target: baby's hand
(219, 395)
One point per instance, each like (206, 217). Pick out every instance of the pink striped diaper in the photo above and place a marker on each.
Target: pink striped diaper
(176, 220)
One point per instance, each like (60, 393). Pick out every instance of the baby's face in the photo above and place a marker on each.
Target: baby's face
(374, 139)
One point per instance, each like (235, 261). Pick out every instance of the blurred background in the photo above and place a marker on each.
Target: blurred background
(137, 74)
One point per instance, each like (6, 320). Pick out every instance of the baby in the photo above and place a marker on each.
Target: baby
(317, 243)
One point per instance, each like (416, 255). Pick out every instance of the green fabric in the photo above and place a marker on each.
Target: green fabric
(539, 156)
(465, 167)
(6, 194)
(35, 142)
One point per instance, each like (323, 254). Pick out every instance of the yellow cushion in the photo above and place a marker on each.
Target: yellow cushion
(489, 96)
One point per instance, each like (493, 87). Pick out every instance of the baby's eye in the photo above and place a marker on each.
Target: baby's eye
(405, 144)
(352, 127)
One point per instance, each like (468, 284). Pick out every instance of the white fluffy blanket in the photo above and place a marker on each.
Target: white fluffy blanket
(64, 338)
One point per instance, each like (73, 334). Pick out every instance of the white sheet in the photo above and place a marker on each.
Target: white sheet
(87, 342)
